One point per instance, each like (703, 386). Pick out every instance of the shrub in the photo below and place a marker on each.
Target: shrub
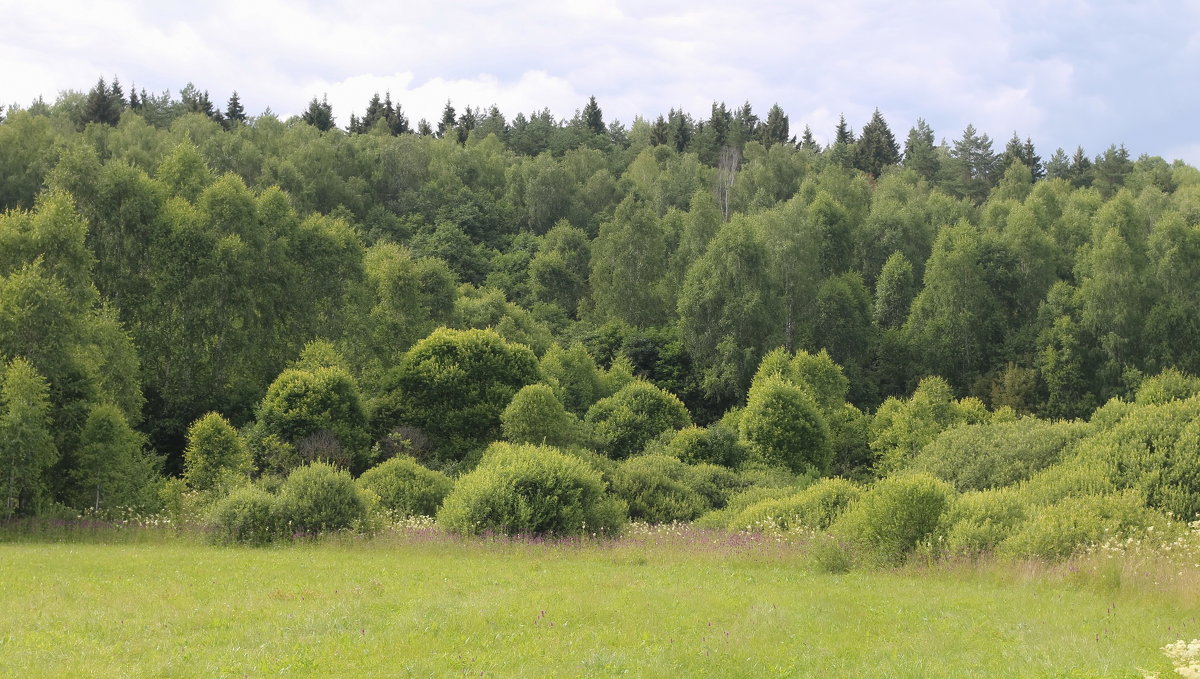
(738, 502)
(982, 456)
(714, 483)
(531, 490)
(657, 489)
(1059, 530)
(319, 498)
(1169, 385)
(245, 516)
(815, 507)
(979, 521)
(895, 514)
(713, 445)
(902, 427)
(405, 488)
(535, 415)
(783, 426)
(214, 448)
(625, 422)
(320, 413)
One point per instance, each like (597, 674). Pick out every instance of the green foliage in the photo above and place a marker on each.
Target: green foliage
(455, 384)
(531, 490)
(902, 428)
(783, 425)
(995, 454)
(979, 521)
(1059, 530)
(658, 489)
(319, 413)
(814, 508)
(895, 514)
(320, 498)
(214, 448)
(573, 374)
(248, 515)
(405, 488)
(622, 424)
(27, 448)
(1169, 385)
(715, 444)
(535, 415)
(112, 469)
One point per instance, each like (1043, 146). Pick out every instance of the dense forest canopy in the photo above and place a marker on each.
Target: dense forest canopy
(390, 286)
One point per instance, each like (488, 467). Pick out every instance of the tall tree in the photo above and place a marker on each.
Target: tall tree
(448, 121)
(920, 152)
(27, 448)
(235, 113)
(973, 165)
(775, 129)
(593, 117)
(877, 146)
(319, 114)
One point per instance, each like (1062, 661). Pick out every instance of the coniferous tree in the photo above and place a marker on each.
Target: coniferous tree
(234, 112)
(843, 134)
(808, 142)
(1059, 166)
(1017, 151)
(448, 122)
(1081, 174)
(775, 129)
(593, 117)
(319, 114)
(877, 146)
(973, 165)
(680, 129)
(920, 153)
(660, 132)
(424, 129)
(397, 121)
(719, 121)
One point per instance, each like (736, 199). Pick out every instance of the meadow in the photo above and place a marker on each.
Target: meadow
(668, 601)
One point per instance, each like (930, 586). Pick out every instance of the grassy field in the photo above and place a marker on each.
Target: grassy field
(666, 603)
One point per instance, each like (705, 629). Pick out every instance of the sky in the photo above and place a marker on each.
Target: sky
(1064, 73)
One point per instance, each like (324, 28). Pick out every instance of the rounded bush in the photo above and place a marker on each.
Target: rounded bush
(657, 489)
(320, 498)
(1059, 530)
(405, 488)
(783, 426)
(895, 514)
(214, 450)
(245, 516)
(531, 490)
(815, 508)
(626, 421)
(535, 415)
(715, 483)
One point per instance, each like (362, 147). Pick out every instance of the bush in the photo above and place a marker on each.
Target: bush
(535, 415)
(405, 488)
(625, 422)
(214, 450)
(982, 456)
(979, 521)
(783, 426)
(657, 489)
(738, 502)
(895, 514)
(815, 508)
(320, 498)
(714, 483)
(713, 445)
(245, 516)
(531, 490)
(1059, 530)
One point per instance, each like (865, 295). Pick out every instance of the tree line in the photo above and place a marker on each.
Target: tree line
(164, 260)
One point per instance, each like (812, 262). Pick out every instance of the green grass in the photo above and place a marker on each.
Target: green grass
(666, 604)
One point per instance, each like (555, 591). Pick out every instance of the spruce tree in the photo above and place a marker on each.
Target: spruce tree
(843, 134)
(319, 114)
(775, 129)
(448, 121)
(660, 132)
(593, 117)
(234, 112)
(920, 154)
(808, 142)
(877, 147)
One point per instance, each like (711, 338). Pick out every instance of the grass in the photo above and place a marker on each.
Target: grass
(669, 602)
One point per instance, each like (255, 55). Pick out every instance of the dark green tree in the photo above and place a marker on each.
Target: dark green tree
(877, 148)
(775, 129)
(920, 151)
(593, 117)
(319, 114)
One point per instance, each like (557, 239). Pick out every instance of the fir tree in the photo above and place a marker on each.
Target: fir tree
(448, 121)
(234, 112)
(775, 129)
(807, 141)
(319, 114)
(843, 134)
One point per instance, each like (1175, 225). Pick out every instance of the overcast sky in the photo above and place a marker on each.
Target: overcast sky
(1065, 73)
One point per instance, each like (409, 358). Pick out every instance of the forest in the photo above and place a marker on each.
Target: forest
(555, 326)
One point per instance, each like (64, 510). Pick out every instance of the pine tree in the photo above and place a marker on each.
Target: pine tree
(660, 132)
(1059, 166)
(424, 129)
(593, 117)
(877, 147)
(374, 113)
(680, 129)
(99, 106)
(1081, 174)
(397, 121)
(974, 165)
(719, 122)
